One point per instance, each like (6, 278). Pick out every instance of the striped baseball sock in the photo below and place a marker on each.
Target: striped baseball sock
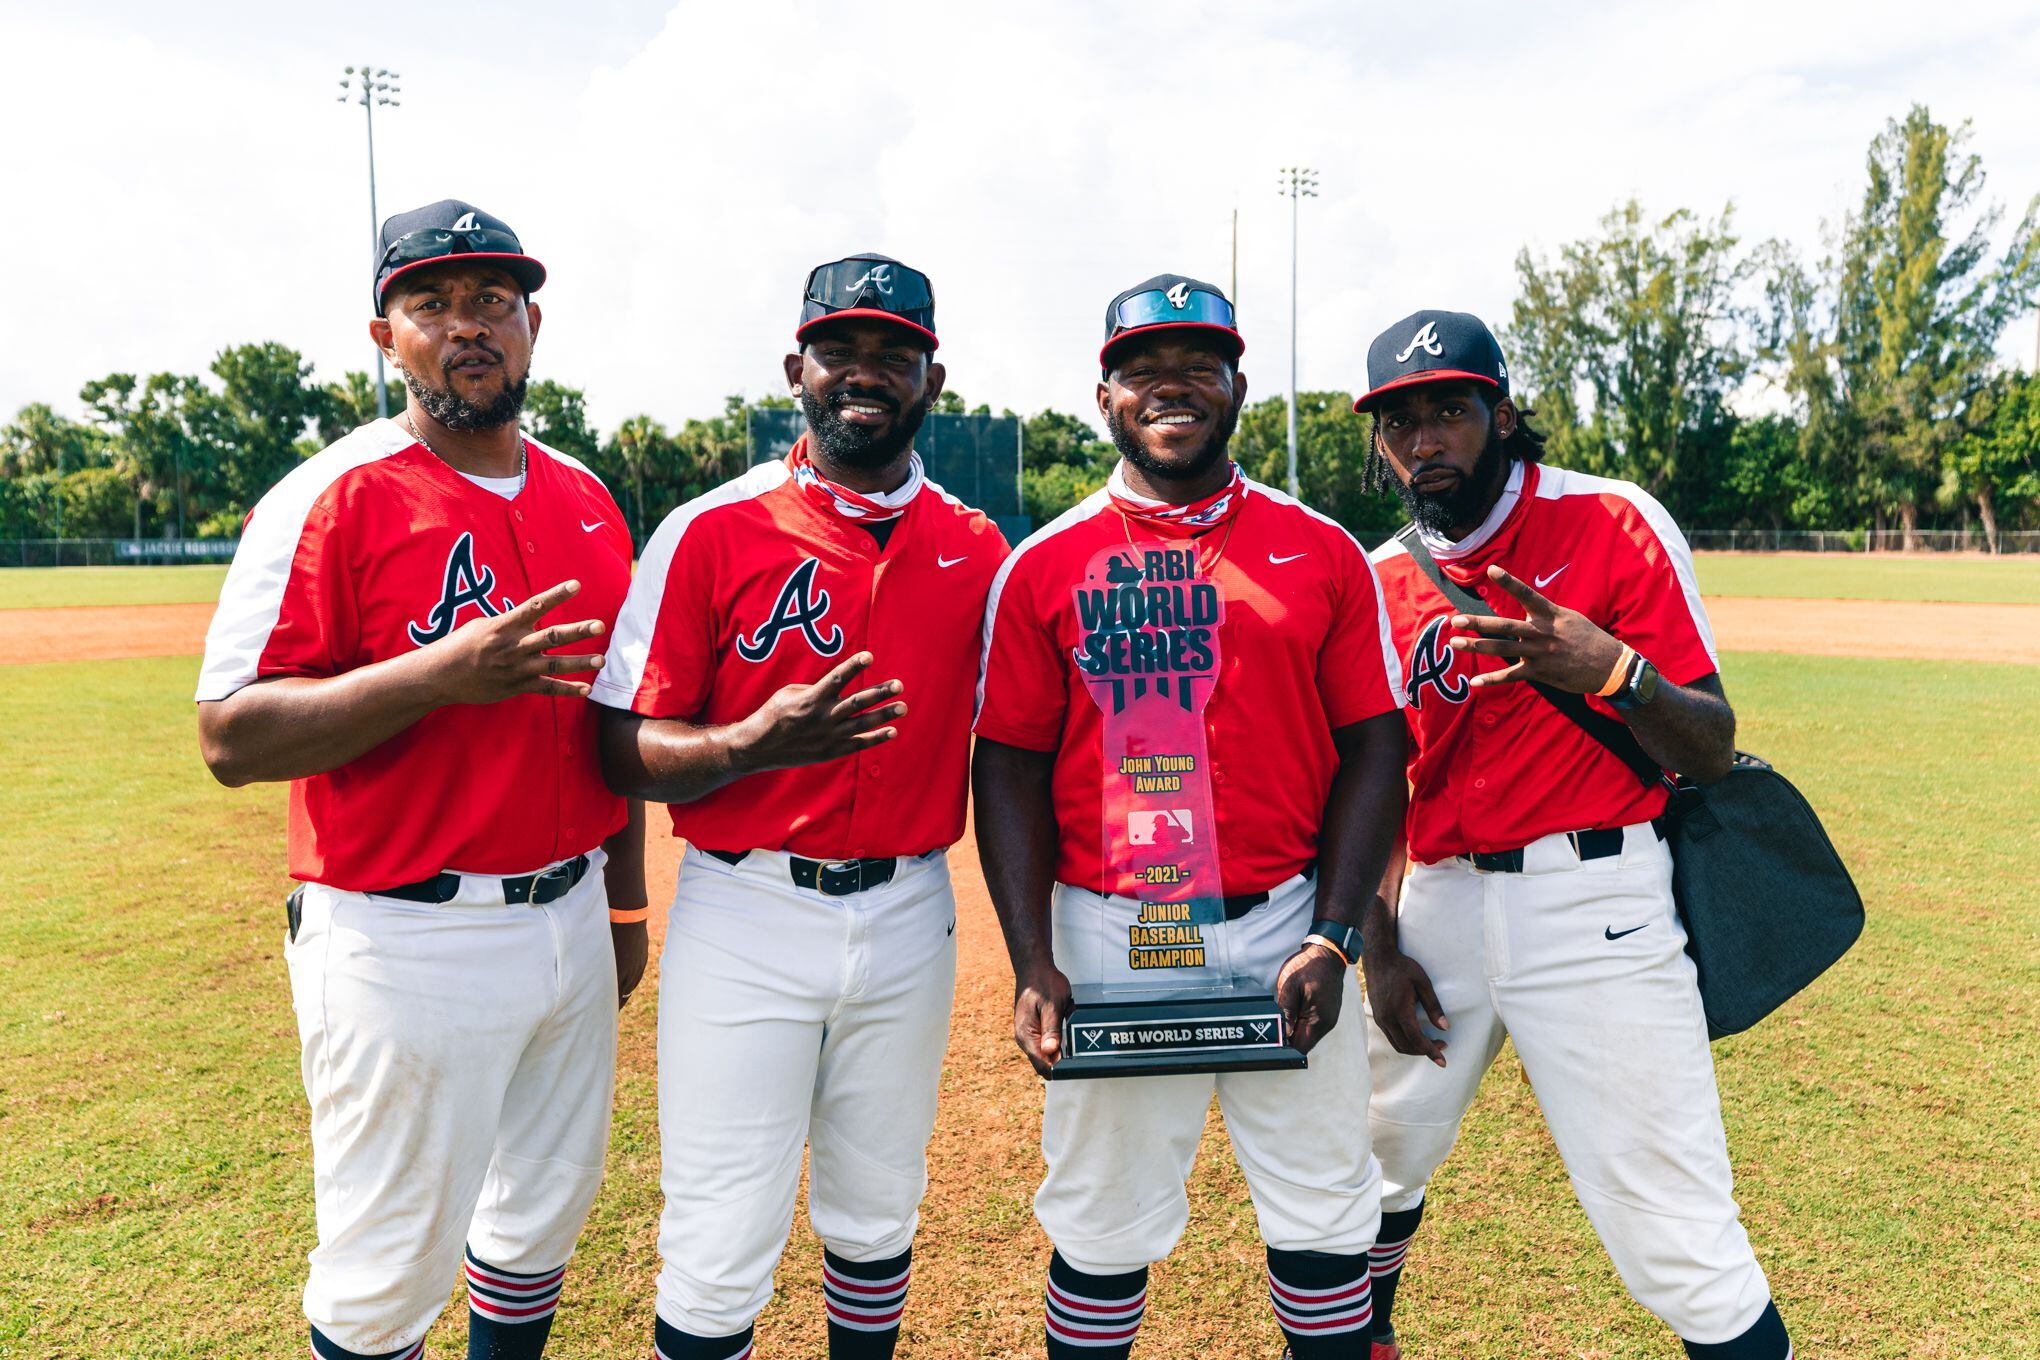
(864, 1300)
(510, 1313)
(1321, 1303)
(1385, 1263)
(1093, 1317)
(670, 1343)
(1765, 1340)
(325, 1348)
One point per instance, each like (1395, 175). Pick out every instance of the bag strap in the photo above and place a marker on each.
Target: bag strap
(1615, 737)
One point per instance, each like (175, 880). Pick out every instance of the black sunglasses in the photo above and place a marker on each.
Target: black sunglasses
(879, 285)
(431, 243)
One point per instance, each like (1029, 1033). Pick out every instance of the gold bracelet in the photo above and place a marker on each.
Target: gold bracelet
(1327, 943)
(633, 917)
(1620, 673)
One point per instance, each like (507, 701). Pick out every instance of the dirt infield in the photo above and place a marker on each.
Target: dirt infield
(1945, 632)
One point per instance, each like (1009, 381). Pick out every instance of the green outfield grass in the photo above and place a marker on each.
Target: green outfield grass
(1883, 576)
(53, 587)
(155, 1189)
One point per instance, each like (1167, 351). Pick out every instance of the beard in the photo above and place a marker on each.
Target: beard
(854, 446)
(1465, 503)
(456, 412)
(1126, 438)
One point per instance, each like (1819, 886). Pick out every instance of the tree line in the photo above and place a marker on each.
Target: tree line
(1740, 383)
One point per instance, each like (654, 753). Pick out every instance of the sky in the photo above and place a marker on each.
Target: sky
(180, 178)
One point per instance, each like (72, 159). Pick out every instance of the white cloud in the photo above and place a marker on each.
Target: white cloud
(185, 190)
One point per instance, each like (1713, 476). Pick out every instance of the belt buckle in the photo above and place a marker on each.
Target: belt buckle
(560, 873)
(836, 868)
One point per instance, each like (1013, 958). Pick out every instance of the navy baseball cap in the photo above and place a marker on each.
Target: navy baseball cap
(868, 285)
(1170, 302)
(440, 231)
(1432, 346)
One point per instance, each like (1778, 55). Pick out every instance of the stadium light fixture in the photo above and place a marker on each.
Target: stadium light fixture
(372, 88)
(1298, 183)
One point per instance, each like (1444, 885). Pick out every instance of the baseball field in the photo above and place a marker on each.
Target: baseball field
(155, 1181)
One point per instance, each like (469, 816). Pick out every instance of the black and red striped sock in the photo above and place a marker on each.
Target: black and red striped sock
(1322, 1303)
(865, 1301)
(670, 1343)
(1385, 1262)
(510, 1313)
(1093, 1317)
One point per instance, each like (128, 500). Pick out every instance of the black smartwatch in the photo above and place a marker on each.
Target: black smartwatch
(1344, 940)
(1639, 688)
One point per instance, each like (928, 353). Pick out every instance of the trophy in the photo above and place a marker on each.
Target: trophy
(1160, 994)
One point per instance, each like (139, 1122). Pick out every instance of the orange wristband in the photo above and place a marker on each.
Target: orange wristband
(1619, 674)
(629, 918)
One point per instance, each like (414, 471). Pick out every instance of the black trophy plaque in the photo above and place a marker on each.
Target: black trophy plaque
(1118, 1033)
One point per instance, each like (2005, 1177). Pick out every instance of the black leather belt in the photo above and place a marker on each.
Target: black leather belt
(829, 877)
(537, 889)
(1239, 904)
(1589, 845)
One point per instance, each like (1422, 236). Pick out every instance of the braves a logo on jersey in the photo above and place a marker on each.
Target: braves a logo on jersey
(800, 605)
(463, 584)
(1431, 665)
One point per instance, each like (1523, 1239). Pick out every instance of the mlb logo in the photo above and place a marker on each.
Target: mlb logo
(1169, 826)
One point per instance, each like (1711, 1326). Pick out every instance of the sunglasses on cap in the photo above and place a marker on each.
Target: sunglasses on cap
(1159, 307)
(877, 285)
(431, 243)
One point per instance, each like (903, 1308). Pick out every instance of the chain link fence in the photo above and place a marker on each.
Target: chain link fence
(1861, 540)
(113, 552)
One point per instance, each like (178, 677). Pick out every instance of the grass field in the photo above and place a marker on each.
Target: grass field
(55, 587)
(155, 1186)
(2010, 580)
(1842, 576)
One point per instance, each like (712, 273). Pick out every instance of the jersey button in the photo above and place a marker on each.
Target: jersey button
(529, 546)
(518, 513)
(871, 770)
(1480, 783)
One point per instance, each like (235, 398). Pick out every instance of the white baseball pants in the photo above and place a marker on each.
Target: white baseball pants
(789, 1018)
(1583, 964)
(459, 1060)
(1120, 1150)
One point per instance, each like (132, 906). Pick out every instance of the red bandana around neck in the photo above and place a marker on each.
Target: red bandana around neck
(855, 506)
(1220, 506)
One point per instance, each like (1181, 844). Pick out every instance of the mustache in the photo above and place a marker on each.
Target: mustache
(446, 366)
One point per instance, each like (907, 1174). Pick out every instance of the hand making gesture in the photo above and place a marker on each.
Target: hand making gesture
(1554, 646)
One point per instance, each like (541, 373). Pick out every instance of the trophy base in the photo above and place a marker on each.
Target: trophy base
(1147, 1034)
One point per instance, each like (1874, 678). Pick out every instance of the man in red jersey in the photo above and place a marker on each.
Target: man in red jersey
(402, 636)
(1294, 785)
(1537, 903)
(810, 957)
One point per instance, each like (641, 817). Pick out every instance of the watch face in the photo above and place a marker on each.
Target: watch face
(1646, 683)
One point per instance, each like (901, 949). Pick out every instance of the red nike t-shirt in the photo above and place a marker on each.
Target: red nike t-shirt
(756, 586)
(374, 548)
(1497, 767)
(1303, 650)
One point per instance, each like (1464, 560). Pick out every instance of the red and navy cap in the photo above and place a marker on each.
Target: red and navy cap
(1170, 302)
(869, 285)
(444, 230)
(1432, 346)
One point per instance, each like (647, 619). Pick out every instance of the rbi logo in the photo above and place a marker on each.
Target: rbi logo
(1431, 664)
(463, 584)
(800, 605)
(1426, 339)
(1178, 296)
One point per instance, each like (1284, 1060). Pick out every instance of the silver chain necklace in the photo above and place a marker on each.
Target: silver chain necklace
(419, 435)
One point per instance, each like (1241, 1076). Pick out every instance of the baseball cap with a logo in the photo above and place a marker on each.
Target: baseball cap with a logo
(1432, 346)
(439, 231)
(1170, 302)
(868, 285)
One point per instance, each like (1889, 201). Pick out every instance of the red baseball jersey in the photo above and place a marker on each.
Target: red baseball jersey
(1302, 649)
(760, 584)
(1497, 767)
(374, 548)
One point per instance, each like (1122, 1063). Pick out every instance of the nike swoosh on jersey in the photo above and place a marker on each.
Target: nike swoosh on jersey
(1614, 934)
(588, 528)
(1278, 561)
(941, 561)
(1544, 581)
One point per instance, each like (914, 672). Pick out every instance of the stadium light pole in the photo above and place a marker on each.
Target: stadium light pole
(1298, 182)
(370, 86)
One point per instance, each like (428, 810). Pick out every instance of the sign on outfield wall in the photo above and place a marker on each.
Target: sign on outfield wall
(174, 549)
